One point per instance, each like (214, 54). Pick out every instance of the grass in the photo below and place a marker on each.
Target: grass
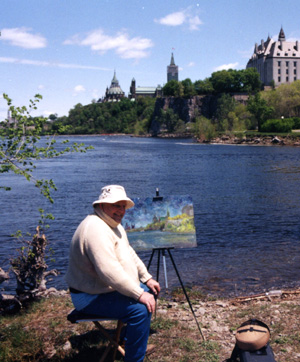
(42, 333)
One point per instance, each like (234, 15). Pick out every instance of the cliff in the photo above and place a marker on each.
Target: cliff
(186, 108)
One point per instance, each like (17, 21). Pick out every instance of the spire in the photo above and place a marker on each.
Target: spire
(114, 80)
(172, 60)
(281, 35)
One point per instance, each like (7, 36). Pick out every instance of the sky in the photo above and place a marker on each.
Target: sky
(68, 50)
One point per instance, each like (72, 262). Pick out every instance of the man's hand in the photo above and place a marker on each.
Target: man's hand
(154, 286)
(149, 301)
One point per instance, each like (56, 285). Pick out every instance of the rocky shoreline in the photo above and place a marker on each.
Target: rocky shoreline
(270, 140)
(258, 141)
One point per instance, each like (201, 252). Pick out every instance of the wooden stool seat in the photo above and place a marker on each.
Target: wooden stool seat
(77, 317)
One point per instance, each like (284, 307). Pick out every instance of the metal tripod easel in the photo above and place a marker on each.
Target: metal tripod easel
(163, 252)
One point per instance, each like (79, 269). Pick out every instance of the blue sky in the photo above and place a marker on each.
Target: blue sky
(67, 50)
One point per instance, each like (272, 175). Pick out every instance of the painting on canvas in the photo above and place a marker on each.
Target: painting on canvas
(168, 223)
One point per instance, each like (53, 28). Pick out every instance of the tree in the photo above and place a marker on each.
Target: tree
(225, 105)
(188, 88)
(20, 146)
(222, 81)
(203, 86)
(204, 129)
(251, 80)
(259, 108)
(173, 89)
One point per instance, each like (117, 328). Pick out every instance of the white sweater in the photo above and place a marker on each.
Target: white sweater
(101, 259)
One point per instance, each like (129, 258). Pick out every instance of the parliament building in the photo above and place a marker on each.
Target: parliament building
(277, 62)
(114, 93)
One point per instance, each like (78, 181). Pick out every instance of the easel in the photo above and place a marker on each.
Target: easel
(163, 252)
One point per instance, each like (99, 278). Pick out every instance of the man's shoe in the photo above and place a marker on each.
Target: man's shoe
(150, 349)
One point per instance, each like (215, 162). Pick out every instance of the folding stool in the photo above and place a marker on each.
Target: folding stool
(78, 317)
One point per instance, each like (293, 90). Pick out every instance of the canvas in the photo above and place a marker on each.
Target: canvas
(161, 224)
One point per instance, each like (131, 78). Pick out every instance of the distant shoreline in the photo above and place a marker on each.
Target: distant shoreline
(223, 140)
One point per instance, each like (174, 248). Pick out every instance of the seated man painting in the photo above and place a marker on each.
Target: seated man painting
(105, 275)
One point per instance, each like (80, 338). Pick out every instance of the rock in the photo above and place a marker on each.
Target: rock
(3, 275)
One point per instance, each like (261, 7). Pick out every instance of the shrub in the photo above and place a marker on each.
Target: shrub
(278, 125)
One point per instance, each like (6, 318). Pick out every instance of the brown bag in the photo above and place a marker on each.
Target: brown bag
(252, 335)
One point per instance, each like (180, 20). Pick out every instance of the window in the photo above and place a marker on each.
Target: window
(279, 79)
(287, 71)
(295, 71)
(295, 64)
(287, 64)
(295, 78)
(287, 79)
(279, 63)
(279, 71)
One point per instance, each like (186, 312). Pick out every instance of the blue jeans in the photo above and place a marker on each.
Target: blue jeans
(134, 314)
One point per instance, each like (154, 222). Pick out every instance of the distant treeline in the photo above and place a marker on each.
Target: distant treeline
(273, 110)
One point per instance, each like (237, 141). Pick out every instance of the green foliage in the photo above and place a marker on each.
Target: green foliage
(260, 109)
(21, 145)
(285, 100)
(225, 106)
(188, 88)
(126, 116)
(171, 121)
(278, 125)
(173, 89)
(230, 81)
(203, 86)
(204, 129)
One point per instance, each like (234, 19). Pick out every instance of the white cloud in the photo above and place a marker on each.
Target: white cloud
(79, 89)
(121, 43)
(178, 18)
(226, 66)
(22, 37)
(194, 22)
(39, 63)
(173, 19)
(191, 64)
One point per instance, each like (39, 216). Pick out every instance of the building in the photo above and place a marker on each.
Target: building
(277, 62)
(172, 70)
(114, 92)
(135, 92)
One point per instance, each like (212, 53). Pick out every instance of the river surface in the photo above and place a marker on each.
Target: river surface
(246, 203)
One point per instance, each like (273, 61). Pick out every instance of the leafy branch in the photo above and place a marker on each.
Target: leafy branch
(21, 145)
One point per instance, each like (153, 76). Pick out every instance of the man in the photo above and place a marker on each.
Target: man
(105, 275)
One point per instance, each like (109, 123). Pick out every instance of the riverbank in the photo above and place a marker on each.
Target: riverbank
(269, 140)
(256, 140)
(42, 332)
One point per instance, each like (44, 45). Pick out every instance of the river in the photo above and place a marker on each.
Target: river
(246, 203)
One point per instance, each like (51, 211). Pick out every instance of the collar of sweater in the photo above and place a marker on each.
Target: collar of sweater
(109, 221)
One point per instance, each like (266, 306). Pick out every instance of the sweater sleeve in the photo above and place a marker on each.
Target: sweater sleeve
(144, 275)
(113, 269)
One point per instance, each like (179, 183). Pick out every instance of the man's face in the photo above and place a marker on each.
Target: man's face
(115, 211)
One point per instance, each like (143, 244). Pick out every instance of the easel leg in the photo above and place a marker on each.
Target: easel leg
(184, 291)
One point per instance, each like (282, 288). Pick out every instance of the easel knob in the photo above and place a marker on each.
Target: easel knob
(157, 197)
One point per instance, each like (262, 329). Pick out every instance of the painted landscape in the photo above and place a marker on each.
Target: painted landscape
(167, 223)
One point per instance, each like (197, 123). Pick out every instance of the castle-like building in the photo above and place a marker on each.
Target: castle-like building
(277, 62)
(114, 92)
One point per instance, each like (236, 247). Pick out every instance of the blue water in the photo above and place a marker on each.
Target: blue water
(246, 203)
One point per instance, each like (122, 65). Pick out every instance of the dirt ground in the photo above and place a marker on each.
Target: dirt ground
(219, 320)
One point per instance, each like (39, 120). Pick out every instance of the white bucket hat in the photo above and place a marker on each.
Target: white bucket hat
(113, 193)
